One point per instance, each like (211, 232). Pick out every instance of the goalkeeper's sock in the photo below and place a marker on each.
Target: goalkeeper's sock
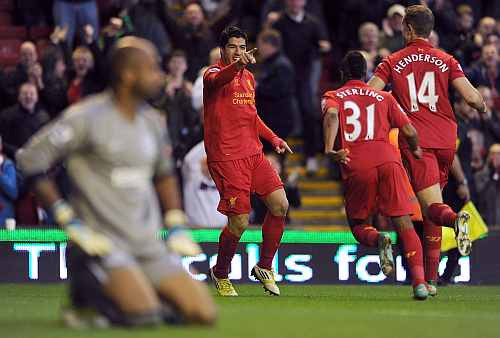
(432, 249)
(413, 253)
(228, 243)
(272, 230)
(366, 235)
(442, 215)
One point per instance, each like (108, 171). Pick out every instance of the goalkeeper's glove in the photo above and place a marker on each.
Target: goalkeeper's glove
(179, 239)
(92, 242)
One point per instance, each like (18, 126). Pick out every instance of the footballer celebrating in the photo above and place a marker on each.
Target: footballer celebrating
(420, 76)
(357, 122)
(236, 160)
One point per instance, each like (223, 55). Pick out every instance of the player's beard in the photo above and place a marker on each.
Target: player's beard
(146, 92)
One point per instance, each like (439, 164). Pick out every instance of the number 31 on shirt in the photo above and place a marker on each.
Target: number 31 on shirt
(353, 120)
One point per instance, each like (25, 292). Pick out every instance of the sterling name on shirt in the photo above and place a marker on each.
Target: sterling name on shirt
(360, 91)
(420, 57)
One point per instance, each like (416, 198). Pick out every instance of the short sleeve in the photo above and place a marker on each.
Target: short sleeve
(456, 70)
(383, 70)
(54, 142)
(328, 101)
(397, 115)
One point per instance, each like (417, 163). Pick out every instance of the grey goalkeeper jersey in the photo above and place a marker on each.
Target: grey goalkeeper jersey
(111, 162)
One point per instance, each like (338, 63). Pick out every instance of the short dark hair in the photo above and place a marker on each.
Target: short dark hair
(177, 53)
(231, 32)
(353, 66)
(420, 17)
(272, 37)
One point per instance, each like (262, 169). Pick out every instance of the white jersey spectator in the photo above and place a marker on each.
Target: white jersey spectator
(200, 194)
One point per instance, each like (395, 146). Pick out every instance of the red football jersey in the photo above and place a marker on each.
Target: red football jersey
(231, 124)
(420, 76)
(366, 117)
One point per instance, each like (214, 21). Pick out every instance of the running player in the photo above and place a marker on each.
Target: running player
(118, 161)
(357, 122)
(236, 161)
(420, 76)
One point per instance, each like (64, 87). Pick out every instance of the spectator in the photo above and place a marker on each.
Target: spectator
(148, 24)
(488, 187)
(22, 120)
(55, 86)
(369, 39)
(28, 58)
(486, 72)
(197, 93)
(275, 101)
(200, 193)
(462, 43)
(290, 185)
(182, 119)
(192, 34)
(303, 40)
(445, 18)
(74, 15)
(392, 35)
(8, 187)
(490, 122)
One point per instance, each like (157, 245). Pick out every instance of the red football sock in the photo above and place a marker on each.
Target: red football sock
(432, 249)
(413, 253)
(366, 235)
(227, 248)
(442, 215)
(272, 230)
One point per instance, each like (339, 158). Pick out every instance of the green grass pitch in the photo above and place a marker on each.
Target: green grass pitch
(302, 311)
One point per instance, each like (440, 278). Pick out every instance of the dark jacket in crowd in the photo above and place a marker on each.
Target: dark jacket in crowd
(275, 94)
(478, 76)
(17, 125)
(488, 188)
(11, 82)
(300, 41)
(196, 42)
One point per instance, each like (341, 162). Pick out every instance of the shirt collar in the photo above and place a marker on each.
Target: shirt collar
(420, 42)
(297, 18)
(355, 83)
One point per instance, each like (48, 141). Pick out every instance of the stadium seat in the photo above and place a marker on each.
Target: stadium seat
(13, 32)
(9, 52)
(5, 19)
(6, 5)
(40, 32)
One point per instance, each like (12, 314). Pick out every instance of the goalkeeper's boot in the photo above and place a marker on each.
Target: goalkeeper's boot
(385, 254)
(223, 285)
(431, 288)
(420, 292)
(464, 243)
(82, 318)
(266, 278)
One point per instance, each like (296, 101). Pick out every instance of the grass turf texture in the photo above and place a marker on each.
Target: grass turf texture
(303, 311)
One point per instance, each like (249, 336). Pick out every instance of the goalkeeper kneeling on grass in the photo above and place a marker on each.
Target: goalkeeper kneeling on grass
(117, 157)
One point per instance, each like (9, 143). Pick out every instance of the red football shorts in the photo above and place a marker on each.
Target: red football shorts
(381, 189)
(431, 169)
(237, 179)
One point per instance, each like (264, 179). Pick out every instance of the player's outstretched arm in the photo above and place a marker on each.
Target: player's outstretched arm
(470, 94)
(376, 83)
(279, 145)
(217, 77)
(330, 131)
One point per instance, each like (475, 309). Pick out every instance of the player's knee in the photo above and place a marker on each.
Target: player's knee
(280, 208)
(238, 224)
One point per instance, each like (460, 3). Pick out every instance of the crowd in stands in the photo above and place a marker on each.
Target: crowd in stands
(53, 54)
